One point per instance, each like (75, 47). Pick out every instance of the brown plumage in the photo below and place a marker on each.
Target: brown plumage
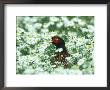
(61, 51)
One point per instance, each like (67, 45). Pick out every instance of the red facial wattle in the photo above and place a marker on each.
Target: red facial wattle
(56, 41)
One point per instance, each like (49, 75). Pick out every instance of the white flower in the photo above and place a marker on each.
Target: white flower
(53, 65)
(20, 30)
(68, 23)
(34, 19)
(29, 71)
(30, 27)
(39, 69)
(26, 20)
(84, 29)
(90, 28)
(43, 47)
(37, 25)
(44, 30)
(72, 35)
(81, 22)
(75, 20)
(51, 23)
(64, 18)
(59, 24)
(81, 61)
(52, 34)
(77, 72)
(46, 25)
(80, 41)
(76, 54)
(54, 19)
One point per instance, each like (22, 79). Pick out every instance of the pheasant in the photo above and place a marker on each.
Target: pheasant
(61, 51)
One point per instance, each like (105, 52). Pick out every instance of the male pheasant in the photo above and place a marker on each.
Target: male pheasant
(61, 51)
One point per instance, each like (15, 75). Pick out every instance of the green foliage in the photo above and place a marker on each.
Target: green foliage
(25, 51)
(35, 52)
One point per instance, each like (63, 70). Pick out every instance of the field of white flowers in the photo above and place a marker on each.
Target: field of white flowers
(34, 50)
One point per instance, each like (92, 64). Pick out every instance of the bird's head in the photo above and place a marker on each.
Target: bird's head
(59, 43)
(56, 40)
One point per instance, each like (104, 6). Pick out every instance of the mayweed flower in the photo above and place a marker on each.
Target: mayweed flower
(37, 25)
(26, 20)
(46, 25)
(64, 18)
(30, 27)
(59, 25)
(51, 23)
(44, 30)
(80, 22)
(54, 19)
(81, 61)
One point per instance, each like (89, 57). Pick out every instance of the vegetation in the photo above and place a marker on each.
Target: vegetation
(34, 51)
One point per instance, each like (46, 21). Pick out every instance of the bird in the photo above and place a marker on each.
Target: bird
(61, 51)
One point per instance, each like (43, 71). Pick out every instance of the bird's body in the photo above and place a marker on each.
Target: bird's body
(61, 51)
